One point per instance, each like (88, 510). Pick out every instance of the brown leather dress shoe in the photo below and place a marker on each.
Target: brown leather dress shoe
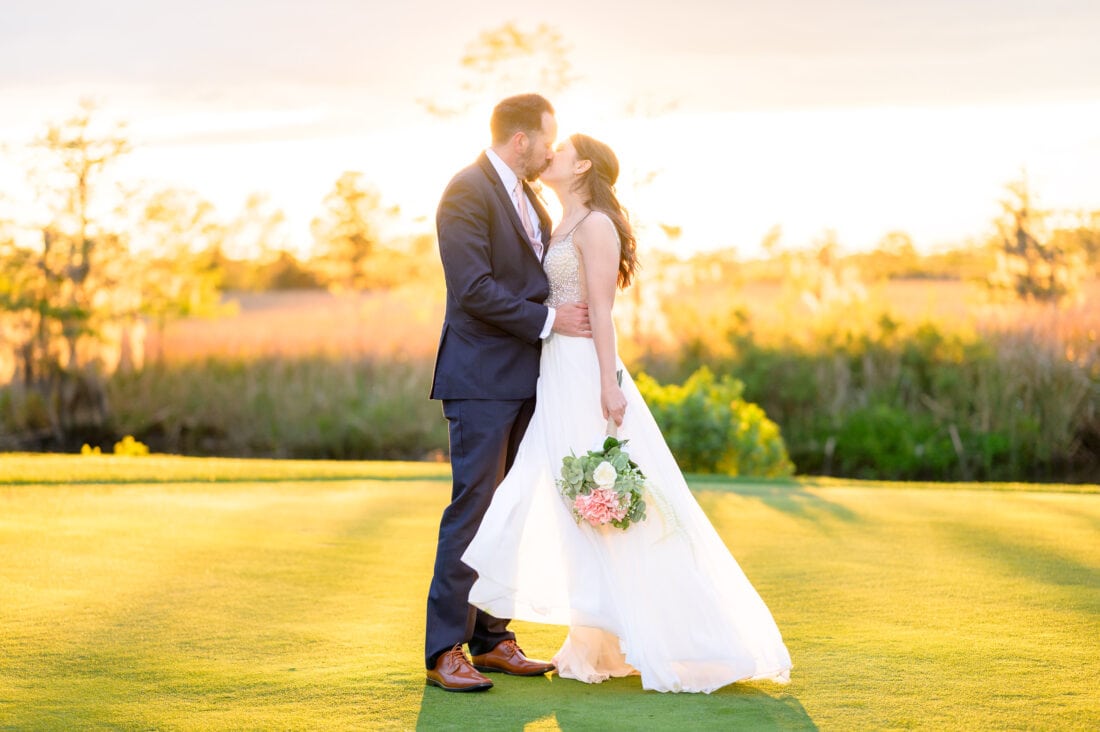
(453, 672)
(508, 657)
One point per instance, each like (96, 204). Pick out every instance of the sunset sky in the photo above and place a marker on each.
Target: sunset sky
(859, 116)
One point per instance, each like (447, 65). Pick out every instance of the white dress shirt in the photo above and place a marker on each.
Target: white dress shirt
(509, 178)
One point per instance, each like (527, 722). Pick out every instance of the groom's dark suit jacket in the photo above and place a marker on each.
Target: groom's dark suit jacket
(485, 373)
(489, 348)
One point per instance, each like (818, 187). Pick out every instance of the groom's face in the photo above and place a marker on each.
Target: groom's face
(540, 148)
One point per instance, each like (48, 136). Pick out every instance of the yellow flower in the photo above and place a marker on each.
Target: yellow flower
(130, 446)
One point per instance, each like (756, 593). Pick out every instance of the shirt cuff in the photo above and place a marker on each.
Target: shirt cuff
(549, 324)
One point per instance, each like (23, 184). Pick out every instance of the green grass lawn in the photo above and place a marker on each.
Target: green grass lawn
(161, 593)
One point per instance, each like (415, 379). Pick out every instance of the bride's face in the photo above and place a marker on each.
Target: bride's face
(564, 164)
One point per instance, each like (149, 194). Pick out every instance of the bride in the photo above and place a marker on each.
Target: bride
(664, 598)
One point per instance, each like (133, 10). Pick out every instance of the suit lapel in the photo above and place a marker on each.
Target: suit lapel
(545, 225)
(504, 199)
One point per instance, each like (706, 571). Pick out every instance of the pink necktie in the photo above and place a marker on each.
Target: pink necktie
(525, 217)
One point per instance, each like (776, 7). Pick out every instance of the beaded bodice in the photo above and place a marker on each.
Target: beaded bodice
(565, 270)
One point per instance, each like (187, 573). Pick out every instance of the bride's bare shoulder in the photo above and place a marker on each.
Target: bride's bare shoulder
(597, 228)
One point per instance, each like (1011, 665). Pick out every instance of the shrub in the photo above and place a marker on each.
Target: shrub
(924, 401)
(711, 429)
(882, 441)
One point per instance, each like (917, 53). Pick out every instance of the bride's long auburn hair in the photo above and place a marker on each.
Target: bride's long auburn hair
(597, 186)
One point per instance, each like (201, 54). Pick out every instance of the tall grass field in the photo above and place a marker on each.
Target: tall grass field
(918, 380)
(182, 593)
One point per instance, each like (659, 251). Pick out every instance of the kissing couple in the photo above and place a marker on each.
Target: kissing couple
(528, 373)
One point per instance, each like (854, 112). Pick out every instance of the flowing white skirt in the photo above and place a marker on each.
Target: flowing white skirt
(664, 598)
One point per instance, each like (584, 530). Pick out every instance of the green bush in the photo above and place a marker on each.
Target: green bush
(882, 441)
(711, 429)
(918, 401)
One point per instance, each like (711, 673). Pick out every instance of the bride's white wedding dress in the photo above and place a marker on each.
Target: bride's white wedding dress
(664, 599)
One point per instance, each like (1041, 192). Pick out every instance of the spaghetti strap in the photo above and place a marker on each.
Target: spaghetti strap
(578, 223)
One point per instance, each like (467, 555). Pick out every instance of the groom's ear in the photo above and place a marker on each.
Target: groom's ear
(520, 141)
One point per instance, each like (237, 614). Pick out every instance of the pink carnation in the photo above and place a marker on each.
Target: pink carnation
(601, 506)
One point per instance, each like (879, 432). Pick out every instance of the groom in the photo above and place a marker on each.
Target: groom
(492, 235)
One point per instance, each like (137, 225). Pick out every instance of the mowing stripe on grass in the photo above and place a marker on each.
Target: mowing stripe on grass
(298, 603)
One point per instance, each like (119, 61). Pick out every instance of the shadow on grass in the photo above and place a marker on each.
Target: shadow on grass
(616, 704)
(788, 497)
(1037, 563)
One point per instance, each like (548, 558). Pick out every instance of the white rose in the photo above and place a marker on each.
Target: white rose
(604, 475)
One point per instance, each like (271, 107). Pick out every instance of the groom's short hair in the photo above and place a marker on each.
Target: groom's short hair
(521, 113)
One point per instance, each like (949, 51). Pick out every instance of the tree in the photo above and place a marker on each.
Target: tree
(79, 254)
(178, 272)
(1081, 233)
(893, 256)
(286, 272)
(1032, 263)
(254, 254)
(347, 235)
(507, 60)
(258, 232)
(60, 293)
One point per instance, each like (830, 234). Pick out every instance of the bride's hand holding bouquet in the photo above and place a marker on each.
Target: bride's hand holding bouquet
(605, 486)
(613, 402)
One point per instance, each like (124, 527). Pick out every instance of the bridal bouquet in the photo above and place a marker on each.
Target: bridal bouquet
(604, 486)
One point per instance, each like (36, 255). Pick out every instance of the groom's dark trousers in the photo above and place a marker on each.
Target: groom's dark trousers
(484, 438)
(486, 371)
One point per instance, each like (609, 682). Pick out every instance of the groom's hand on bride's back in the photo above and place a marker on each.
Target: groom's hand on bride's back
(571, 319)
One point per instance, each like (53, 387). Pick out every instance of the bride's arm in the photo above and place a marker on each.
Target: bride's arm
(599, 247)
